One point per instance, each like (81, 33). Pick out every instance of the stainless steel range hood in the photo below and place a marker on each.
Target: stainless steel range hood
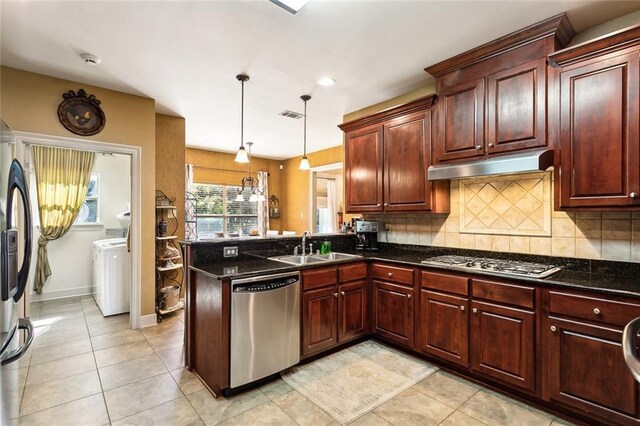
(507, 164)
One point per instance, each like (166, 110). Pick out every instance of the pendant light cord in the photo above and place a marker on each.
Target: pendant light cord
(242, 117)
(305, 128)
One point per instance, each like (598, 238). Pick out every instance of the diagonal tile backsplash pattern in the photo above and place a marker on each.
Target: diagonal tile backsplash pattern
(592, 235)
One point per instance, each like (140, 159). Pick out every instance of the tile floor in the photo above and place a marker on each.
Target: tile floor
(89, 370)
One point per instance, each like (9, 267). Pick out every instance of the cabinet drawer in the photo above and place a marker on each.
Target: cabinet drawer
(321, 277)
(593, 308)
(509, 294)
(392, 273)
(445, 282)
(352, 272)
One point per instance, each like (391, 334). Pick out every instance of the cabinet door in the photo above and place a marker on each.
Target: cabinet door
(599, 133)
(460, 122)
(393, 312)
(586, 370)
(352, 310)
(363, 170)
(516, 108)
(443, 327)
(319, 310)
(502, 344)
(407, 154)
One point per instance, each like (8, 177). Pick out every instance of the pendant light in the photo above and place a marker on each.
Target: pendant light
(241, 156)
(304, 163)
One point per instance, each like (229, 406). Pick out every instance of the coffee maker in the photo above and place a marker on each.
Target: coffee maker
(367, 235)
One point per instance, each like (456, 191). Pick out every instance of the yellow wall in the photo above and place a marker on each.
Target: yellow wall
(220, 168)
(29, 104)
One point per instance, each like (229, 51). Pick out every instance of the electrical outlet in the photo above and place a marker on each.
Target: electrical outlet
(230, 252)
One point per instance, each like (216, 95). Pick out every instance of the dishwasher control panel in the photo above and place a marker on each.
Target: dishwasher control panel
(264, 285)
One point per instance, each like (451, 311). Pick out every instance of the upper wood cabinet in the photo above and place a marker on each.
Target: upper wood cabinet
(492, 99)
(595, 121)
(386, 161)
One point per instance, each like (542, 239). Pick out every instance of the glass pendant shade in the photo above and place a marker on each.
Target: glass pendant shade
(304, 164)
(253, 198)
(241, 156)
(239, 197)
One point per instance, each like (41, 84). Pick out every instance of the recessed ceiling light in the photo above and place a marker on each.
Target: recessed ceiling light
(326, 81)
(292, 6)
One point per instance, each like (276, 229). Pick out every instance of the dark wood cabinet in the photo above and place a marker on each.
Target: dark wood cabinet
(319, 309)
(352, 310)
(363, 170)
(386, 160)
(597, 127)
(393, 307)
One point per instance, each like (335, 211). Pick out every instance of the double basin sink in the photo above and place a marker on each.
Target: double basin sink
(314, 258)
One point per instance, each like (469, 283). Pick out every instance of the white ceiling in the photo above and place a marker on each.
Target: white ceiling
(186, 54)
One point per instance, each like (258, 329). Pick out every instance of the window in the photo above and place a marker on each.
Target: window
(90, 210)
(218, 211)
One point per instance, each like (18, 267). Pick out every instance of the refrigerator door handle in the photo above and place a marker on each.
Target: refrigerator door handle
(23, 324)
(18, 181)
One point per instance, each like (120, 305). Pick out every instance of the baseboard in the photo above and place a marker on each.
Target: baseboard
(61, 294)
(148, 320)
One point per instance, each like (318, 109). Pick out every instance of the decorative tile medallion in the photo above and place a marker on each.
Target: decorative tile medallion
(506, 205)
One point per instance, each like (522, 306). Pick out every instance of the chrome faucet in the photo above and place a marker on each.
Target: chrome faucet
(304, 242)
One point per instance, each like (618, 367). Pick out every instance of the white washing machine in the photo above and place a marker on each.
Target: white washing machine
(111, 275)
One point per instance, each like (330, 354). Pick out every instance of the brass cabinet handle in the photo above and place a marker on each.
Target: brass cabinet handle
(390, 274)
(386, 204)
(342, 293)
(553, 328)
(491, 145)
(478, 147)
(633, 195)
(408, 296)
(475, 310)
(596, 311)
(462, 307)
(335, 294)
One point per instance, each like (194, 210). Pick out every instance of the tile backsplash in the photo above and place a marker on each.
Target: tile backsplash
(592, 235)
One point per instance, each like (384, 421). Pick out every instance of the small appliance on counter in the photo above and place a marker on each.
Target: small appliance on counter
(367, 235)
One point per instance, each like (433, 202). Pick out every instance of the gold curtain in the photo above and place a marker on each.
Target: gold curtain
(62, 180)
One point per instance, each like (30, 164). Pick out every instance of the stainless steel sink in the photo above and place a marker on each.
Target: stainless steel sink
(314, 258)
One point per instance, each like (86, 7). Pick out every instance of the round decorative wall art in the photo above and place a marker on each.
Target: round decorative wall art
(81, 114)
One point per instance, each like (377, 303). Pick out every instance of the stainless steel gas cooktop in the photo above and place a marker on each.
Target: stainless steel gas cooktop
(507, 267)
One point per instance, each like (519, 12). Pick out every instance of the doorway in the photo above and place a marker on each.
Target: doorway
(326, 204)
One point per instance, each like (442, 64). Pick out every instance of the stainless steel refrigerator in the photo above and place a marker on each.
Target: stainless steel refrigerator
(16, 334)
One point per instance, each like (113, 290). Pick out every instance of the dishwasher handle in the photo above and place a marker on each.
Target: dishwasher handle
(629, 347)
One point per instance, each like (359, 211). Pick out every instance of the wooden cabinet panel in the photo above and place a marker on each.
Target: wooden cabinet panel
(599, 137)
(516, 108)
(351, 272)
(407, 154)
(363, 170)
(595, 309)
(396, 274)
(319, 310)
(460, 122)
(586, 370)
(503, 344)
(448, 283)
(393, 312)
(443, 327)
(321, 277)
(352, 310)
(510, 294)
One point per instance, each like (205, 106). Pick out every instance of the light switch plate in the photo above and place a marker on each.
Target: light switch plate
(230, 252)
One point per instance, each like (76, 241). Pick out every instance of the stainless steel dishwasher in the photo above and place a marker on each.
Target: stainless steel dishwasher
(265, 326)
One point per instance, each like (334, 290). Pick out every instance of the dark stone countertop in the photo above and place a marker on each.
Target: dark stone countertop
(616, 278)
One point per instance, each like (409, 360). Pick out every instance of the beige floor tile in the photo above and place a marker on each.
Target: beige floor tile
(58, 369)
(413, 408)
(172, 358)
(141, 395)
(176, 412)
(56, 315)
(213, 411)
(115, 339)
(82, 412)
(459, 419)
(491, 408)
(265, 414)
(561, 422)
(166, 341)
(57, 392)
(370, 419)
(303, 411)
(54, 352)
(187, 381)
(118, 354)
(275, 389)
(169, 325)
(47, 337)
(117, 375)
(98, 326)
(446, 388)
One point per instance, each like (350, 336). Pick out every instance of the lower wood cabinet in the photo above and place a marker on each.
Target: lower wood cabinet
(352, 310)
(393, 307)
(319, 310)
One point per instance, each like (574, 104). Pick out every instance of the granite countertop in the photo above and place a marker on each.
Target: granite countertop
(619, 278)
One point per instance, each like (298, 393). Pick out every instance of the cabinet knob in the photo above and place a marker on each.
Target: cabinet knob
(475, 310)
(491, 145)
(478, 147)
(390, 274)
(596, 311)
(408, 296)
(386, 204)
(378, 205)
(335, 294)
(553, 328)
(633, 195)
(342, 293)
(462, 307)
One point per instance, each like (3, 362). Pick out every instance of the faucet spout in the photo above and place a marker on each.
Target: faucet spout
(304, 242)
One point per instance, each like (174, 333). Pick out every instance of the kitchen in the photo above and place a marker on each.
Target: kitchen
(459, 217)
